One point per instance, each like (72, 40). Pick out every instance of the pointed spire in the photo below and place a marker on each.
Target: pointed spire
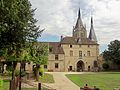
(79, 20)
(92, 35)
(79, 16)
(91, 21)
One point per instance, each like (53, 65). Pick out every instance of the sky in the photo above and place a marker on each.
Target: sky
(58, 17)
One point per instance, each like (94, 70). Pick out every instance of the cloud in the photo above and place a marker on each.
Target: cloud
(55, 16)
(59, 16)
(106, 19)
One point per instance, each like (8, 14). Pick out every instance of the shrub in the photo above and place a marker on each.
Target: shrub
(17, 73)
(23, 73)
(9, 73)
(105, 66)
(41, 71)
(9, 68)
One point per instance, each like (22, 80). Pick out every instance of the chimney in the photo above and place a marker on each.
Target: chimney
(61, 37)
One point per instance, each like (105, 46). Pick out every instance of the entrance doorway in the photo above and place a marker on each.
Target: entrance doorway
(70, 68)
(80, 66)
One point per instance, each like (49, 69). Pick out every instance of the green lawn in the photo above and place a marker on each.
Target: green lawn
(104, 81)
(5, 85)
(47, 78)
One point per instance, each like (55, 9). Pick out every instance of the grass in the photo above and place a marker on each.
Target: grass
(104, 81)
(6, 87)
(47, 78)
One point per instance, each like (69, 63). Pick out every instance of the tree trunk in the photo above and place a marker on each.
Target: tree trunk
(13, 70)
(37, 72)
(20, 77)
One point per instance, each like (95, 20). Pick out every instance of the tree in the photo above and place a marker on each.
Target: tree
(113, 52)
(17, 29)
(39, 55)
(105, 66)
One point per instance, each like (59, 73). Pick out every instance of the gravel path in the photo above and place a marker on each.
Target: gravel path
(62, 82)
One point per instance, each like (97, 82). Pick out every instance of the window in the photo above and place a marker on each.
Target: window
(50, 49)
(56, 65)
(56, 57)
(71, 53)
(70, 46)
(80, 53)
(45, 66)
(88, 53)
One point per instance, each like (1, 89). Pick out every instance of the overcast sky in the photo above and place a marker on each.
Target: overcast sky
(59, 16)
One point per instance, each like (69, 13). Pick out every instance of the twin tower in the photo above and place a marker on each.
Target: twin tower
(79, 31)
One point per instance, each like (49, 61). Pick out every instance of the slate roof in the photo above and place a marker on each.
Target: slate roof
(92, 35)
(55, 48)
(79, 22)
(72, 40)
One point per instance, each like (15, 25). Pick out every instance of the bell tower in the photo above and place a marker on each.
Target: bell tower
(79, 31)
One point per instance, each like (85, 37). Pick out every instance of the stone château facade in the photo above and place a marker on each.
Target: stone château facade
(74, 53)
